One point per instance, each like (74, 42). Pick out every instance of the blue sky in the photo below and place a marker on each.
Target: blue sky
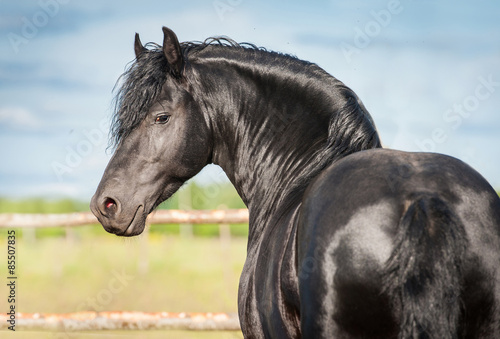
(428, 72)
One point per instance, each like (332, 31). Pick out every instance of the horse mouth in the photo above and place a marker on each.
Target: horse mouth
(137, 223)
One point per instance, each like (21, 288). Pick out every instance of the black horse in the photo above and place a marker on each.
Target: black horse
(347, 240)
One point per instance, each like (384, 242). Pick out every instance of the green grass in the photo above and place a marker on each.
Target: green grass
(70, 269)
(162, 273)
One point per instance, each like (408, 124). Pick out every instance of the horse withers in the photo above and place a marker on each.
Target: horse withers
(346, 239)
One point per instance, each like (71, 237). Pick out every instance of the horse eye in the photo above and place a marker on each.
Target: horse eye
(162, 118)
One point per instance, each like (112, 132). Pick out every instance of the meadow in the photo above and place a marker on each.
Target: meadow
(62, 270)
(156, 273)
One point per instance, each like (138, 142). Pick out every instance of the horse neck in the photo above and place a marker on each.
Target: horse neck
(270, 129)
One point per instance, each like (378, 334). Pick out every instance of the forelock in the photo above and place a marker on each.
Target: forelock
(138, 88)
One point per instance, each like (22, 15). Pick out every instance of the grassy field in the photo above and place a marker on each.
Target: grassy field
(159, 272)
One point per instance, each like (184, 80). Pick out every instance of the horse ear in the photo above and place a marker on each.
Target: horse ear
(172, 51)
(138, 47)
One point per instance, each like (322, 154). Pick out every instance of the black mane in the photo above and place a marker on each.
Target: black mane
(142, 81)
(349, 131)
(139, 88)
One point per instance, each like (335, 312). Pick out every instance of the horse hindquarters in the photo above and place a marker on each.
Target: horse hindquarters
(365, 283)
(426, 284)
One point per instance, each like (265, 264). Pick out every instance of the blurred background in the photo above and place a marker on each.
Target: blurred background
(428, 72)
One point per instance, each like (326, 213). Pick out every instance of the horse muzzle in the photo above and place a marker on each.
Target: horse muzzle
(116, 218)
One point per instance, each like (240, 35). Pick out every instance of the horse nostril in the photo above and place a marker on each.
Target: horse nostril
(110, 206)
(109, 202)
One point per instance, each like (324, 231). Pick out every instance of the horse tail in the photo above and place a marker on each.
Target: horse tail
(424, 273)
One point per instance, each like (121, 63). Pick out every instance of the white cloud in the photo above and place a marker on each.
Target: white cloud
(54, 190)
(19, 118)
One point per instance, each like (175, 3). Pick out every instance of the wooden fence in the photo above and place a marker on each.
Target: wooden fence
(98, 321)
(15, 220)
(82, 321)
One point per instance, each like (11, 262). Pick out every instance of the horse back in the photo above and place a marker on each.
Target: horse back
(356, 219)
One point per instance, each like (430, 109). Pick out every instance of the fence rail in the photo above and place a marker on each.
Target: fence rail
(96, 321)
(233, 216)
